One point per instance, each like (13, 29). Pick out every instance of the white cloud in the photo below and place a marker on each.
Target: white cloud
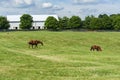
(18, 2)
(51, 6)
(29, 2)
(47, 5)
(22, 3)
(85, 1)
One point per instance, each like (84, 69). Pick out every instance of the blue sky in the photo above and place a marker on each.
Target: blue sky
(62, 8)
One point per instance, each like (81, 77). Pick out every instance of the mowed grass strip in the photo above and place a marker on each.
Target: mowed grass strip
(64, 56)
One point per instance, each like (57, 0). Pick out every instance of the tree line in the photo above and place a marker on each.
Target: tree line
(102, 22)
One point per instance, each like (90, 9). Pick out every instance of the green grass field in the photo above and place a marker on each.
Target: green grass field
(64, 56)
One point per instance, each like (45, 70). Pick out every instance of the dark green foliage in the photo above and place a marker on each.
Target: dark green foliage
(102, 22)
(92, 23)
(51, 23)
(116, 21)
(4, 24)
(26, 21)
(86, 22)
(106, 22)
(95, 23)
(63, 23)
(74, 22)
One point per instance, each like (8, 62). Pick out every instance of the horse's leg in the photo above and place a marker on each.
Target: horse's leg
(97, 49)
(93, 49)
(32, 46)
(36, 46)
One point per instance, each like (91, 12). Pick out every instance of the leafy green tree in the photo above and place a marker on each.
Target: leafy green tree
(51, 23)
(86, 22)
(63, 22)
(116, 23)
(26, 21)
(74, 22)
(4, 23)
(117, 26)
(106, 22)
(95, 23)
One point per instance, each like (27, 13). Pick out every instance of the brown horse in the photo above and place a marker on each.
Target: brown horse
(95, 47)
(34, 42)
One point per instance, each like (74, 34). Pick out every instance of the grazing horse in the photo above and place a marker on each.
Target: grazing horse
(35, 42)
(95, 47)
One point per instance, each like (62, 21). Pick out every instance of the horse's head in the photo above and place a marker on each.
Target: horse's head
(39, 42)
(99, 48)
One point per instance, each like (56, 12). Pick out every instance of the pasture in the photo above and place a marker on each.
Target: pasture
(64, 56)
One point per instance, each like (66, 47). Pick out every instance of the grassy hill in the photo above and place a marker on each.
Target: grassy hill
(64, 56)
